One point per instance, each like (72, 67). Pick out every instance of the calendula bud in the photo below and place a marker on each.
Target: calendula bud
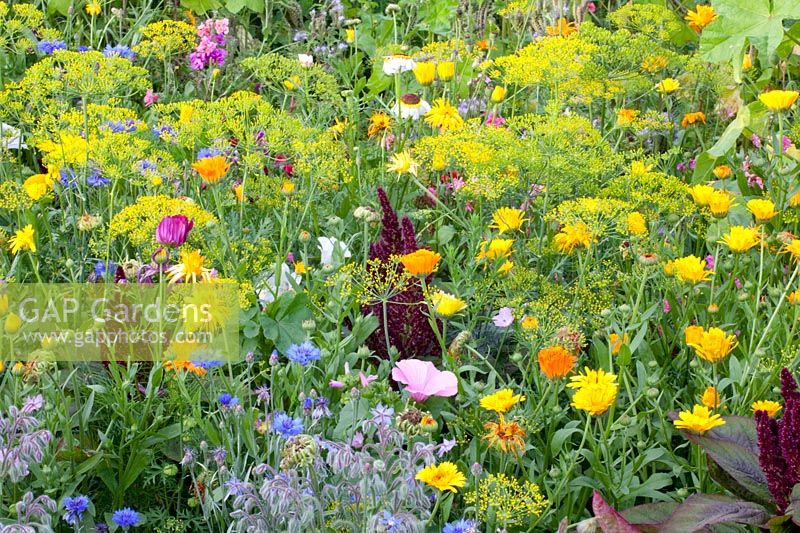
(392, 8)
(498, 93)
(12, 324)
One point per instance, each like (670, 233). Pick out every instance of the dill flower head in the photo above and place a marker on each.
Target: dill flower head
(714, 345)
(421, 262)
(762, 209)
(447, 305)
(211, 169)
(668, 86)
(778, 100)
(495, 249)
(690, 119)
(444, 116)
(636, 223)
(740, 239)
(189, 269)
(596, 391)
(512, 501)
(698, 420)
(556, 362)
(700, 17)
(501, 401)
(770, 407)
(23, 239)
(691, 269)
(572, 236)
(507, 219)
(508, 436)
(402, 162)
(379, 124)
(701, 194)
(442, 476)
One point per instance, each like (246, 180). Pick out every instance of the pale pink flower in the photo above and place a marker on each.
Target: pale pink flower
(423, 380)
(150, 98)
(504, 317)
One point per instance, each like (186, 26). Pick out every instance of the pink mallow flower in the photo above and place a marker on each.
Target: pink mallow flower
(423, 380)
(150, 98)
(504, 317)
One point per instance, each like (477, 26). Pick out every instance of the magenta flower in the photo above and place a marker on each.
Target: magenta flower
(150, 98)
(173, 230)
(423, 380)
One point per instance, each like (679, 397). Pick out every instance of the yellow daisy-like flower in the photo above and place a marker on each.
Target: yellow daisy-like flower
(23, 239)
(740, 239)
(698, 420)
(379, 124)
(701, 194)
(402, 162)
(778, 100)
(444, 116)
(636, 223)
(37, 186)
(769, 406)
(714, 345)
(442, 476)
(691, 269)
(794, 297)
(501, 401)
(421, 262)
(693, 334)
(793, 248)
(668, 86)
(189, 269)
(211, 169)
(529, 322)
(555, 362)
(93, 9)
(339, 126)
(710, 398)
(495, 249)
(596, 391)
(498, 94)
(507, 219)
(425, 72)
(572, 236)
(616, 342)
(626, 116)
(762, 209)
(446, 70)
(720, 203)
(446, 304)
(701, 17)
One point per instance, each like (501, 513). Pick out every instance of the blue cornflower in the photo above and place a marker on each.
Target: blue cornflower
(129, 126)
(126, 517)
(286, 426)
(119, 50)
(68, 178)
(303, 353)
(165, 130)
(227, 400)
(95, 179)
(48, 47)
(208, 152)
(461, 526)
(208, 364)
(308, 404)
(101, 268)
(82, 49)
(75, 507)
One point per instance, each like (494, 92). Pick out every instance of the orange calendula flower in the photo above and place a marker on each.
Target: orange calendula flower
(563, 28)
(211, 169)
(442, 476)
(616, 342)
(698, 420)
(710, 398)
(778, 100)
(421, 263)
(722, 172)
(501, 401)
(508, 436)
(556, 362)
(714, 345)
(626, 116)
(701, 17)
(769, 406)
(693, 118)
(185, 366)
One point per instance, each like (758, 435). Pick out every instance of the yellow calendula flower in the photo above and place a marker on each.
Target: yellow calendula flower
(720, 203)
(189, 269)
(529, 322)
(636, 223)
(572, 236)
(425, 72)
(794, 200)
(350, 35)
(794, 297)
(722, 172)
(700, 17)
(444, 116)
(793, 248)
(495, 249)
(447, 305)
(691, 269)
(596, 391)
(778, 100)
(421, 262)
(693, 334)
(740, 239)
(211, 169)
(300, 268)
(23, 239)
(501, 401)
(287, 187)
(37, 186)
(714, 345)
(698, 420)
(668, 86)
(701, 194)
(562, 27)
(710, 398)
(446, 70)
(498, 94)
(93, 8)
(402, 162)
(507, 219)
(238, 191)
(12, 323)
(762, 209)
(506, 267)
(626, 116)
(442, 476)
(379, 123)
(769, 406)
(693, 118)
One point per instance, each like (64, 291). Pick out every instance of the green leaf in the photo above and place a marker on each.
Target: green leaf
(794, 505)
(759, 22)
(282, 322)
(234, 6)
(59, 6)
(201, 6)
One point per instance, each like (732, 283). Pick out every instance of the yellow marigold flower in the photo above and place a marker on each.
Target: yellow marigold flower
(794, 297)
(379, 123)
(507, 219)
(442, 476)
(769, 406)
(636, 223)
(501, 401)
(793, 248)
(287, 187)
(720, 203)
(616, 342)
(762, 209)
(778, 100)
(701, 194)
(37, 186)
(572, 236)
(23, 239)
(693, 118)
(402, 162)
(668, 85)
(508, 436)
(189, 269)
(498, 94)
(698, 420)
(740, 239)
(421, 262)
(529, 322)
(211, 169)
(701, 17)
(562, 27)
(93, 8)
(446, 70)
(722, 172)
(596, 391)
(626, 116)
(710, 398)
(425, 72)
(693, 334)
(556, 362)
(714, 345)
(444, 116)
(691, 269)
(495, 249)
(446, 304)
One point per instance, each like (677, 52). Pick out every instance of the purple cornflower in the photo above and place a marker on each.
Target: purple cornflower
(48, 47)
(710, 262)
(286, 426)
(304, 353)
(75, 507)
(126, 518)
(262, 394)
(666, 306)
